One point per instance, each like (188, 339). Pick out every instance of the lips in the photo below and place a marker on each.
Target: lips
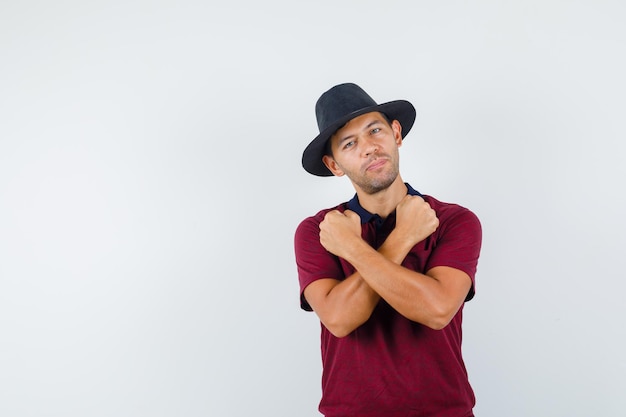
(377, 163)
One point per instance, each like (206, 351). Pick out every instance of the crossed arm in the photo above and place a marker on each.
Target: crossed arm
(431, 299)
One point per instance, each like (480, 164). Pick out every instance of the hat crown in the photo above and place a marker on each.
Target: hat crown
(340, 101)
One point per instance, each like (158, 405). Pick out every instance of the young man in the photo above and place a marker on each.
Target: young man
(387, 272)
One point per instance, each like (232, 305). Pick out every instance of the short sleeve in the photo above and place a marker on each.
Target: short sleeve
(312, 260)
(458, 244)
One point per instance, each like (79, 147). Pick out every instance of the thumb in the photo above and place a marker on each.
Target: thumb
(351, 215)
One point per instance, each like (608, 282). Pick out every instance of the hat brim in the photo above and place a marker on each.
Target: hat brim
(400, 110)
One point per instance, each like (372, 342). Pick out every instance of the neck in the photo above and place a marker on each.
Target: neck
(385, 201)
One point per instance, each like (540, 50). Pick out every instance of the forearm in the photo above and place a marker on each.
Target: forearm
(348, 304)
(342, 306)
(419, 297)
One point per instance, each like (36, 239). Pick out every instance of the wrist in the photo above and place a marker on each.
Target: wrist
(396, 246)
(355, 248)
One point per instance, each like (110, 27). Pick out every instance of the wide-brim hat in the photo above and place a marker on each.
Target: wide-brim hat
(338, 106)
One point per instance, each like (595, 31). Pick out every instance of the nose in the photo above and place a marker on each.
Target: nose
(370, 146)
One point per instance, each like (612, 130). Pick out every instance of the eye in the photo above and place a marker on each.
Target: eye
(348, 144)
(375, 130)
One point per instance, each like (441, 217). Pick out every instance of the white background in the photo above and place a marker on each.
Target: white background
(150, 185)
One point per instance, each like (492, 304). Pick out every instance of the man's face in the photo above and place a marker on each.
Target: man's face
(366, 150)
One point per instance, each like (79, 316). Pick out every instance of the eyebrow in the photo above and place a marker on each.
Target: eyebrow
(369, 125)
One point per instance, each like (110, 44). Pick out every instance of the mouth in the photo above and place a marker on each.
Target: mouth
(375, 164)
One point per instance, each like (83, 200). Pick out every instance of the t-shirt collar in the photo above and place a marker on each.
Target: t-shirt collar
(365, 215)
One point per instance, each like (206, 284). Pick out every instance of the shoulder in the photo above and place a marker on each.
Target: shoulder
(317, 218)
(308, 230)
(453, 215)
(457, 240)
(449, 210)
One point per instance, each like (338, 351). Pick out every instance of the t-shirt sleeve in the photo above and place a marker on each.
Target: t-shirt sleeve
(458, 245)
(312, 260)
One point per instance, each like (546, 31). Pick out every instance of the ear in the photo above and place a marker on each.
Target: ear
(332, 165)
(397, 132)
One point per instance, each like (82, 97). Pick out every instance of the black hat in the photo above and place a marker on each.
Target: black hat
(338, 106)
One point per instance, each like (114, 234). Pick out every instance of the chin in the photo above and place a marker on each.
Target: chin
(376, 186)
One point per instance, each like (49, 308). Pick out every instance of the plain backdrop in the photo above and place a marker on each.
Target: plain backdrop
(150, 186)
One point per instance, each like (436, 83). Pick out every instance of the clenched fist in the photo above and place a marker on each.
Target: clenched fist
(415, 219)
(338, 230)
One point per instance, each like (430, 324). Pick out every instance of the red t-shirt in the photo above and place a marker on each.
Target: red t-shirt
(390, 365)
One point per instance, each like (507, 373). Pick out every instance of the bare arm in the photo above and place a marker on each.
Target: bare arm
(432, 298)
(342, 306)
